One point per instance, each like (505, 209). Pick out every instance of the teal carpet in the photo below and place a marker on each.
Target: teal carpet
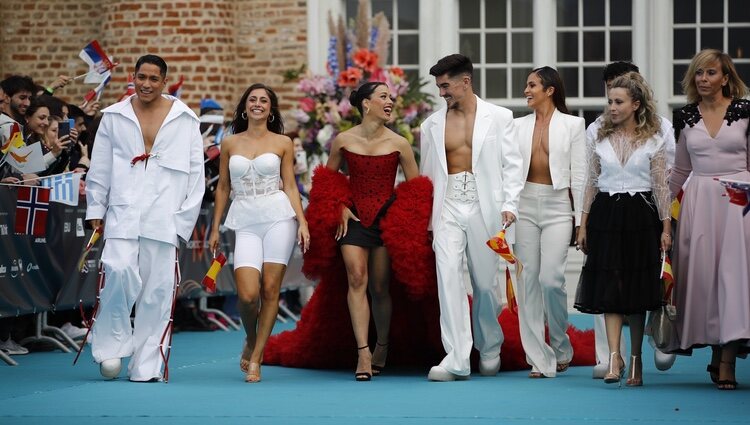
(206, 387)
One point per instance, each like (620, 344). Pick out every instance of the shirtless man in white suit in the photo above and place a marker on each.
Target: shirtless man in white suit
(469, 154)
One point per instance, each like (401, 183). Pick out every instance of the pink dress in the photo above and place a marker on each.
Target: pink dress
(712, 259)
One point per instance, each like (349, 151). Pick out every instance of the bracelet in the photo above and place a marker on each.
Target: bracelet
(49, 90)
(666, 234)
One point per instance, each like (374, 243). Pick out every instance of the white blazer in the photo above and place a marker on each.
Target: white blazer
(161, 202)
(496, 163)
(567, 152)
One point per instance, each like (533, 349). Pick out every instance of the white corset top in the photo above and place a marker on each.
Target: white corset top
(254, 177)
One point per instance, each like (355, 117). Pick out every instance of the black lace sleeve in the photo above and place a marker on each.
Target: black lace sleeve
(737, 110)
(687, 115)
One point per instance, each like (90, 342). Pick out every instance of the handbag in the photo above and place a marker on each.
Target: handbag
(663, 329)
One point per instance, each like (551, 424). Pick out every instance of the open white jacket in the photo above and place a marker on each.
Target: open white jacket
(161, 202)
(567, 152)
(496, 163)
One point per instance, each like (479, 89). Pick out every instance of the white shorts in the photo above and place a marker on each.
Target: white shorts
(265, 243)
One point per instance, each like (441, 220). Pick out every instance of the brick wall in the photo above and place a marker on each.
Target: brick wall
(219, 46)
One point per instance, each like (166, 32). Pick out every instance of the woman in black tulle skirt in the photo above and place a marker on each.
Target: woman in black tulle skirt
(625, 223)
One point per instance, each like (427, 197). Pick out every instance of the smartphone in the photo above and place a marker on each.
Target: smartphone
(63, 128)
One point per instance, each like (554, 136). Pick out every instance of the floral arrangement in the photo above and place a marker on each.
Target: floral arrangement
(356, 55)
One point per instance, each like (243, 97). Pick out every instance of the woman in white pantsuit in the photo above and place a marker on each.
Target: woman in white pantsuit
(552, 145)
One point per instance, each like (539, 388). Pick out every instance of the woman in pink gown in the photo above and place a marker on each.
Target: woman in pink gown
(712, 262)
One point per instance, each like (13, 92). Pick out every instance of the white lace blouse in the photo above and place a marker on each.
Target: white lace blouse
(619, 165)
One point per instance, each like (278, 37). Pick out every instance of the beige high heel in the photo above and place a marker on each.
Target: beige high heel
(614, 373)
(635, 377)
(253, 373)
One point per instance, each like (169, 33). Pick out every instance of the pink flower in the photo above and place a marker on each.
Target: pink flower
(307, 104)
(344, 107)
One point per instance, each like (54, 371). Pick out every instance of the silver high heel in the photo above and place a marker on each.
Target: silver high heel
(614, 373)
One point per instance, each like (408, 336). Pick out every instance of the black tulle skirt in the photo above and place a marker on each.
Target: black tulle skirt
(621, 273)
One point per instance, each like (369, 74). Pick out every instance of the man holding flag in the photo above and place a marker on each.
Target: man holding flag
(145, 184)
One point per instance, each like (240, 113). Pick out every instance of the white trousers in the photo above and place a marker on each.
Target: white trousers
(543, 235)
(141, 273)
(462, 230)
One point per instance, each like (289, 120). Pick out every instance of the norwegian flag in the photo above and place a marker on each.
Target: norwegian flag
(31, 210)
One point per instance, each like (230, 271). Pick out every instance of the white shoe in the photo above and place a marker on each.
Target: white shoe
(74, 332)
(110, 368)
(489, 367)
(440, 374)
(12, 348)
(600, 370)
(663, 361)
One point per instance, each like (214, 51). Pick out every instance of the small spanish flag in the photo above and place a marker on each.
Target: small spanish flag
(667, 276)
(498, 244)
(209, 281)
(675, 208)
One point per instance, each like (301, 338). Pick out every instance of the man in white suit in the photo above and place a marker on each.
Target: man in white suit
(468, 152)
(146, 184)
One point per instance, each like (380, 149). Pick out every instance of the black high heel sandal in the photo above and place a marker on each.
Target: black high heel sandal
(363, 376)
(378, 369)
(727, 384)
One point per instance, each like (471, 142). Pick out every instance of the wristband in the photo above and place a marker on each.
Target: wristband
(49, 90)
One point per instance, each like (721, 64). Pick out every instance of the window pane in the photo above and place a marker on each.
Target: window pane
(684, 43)
(351, 8)
(468, 44)
(593, 12)
(468, 14)
(739, 11)
(593, 86)
(495, 48)
(570, 79)
(522, 45)
(408, 14)
(743, 69)
(712, 11)
(567, 47)
(408, 49)
(412, 75)
(518, 81)
(684, 11)
(522, 12)
(593, 46)
(739, 42)
(496, 83)
(712, 38)
(567, 13)
(590, 116)
(621, 12)
(677, 74)
(476, 83)
(495, 14)
(620, 46)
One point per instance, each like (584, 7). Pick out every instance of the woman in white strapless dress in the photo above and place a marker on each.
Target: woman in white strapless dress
(258, 162)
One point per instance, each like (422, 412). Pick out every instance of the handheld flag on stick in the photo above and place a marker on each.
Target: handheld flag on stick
(176, 88)
(96, 93)
(498, 244)
(15, 138)
(667, 276)
(209, 281)
(26, 159)
(130, 89)
(738, 192)
(676, 203)
(92, 241)
(98, 62)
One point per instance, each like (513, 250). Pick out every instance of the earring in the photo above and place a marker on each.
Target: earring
(244, 115)
(272, 118)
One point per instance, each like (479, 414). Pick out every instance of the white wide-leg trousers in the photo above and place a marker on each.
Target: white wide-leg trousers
(542, 238)
(141, 273)
(462, 230)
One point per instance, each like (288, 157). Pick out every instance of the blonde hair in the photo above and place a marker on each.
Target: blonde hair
(735, 87)
(647, 122)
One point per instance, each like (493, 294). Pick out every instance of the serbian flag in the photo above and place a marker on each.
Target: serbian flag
(738, 192)
(98, 62)
(15, 138)
(130, 89)
(31, 210)
(176, 88)
(667, 276)
(498, 244)
(96, 93)
(209, 281)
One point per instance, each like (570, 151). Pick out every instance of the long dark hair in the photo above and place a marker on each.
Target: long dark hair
(274, 123)
(551, 78)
